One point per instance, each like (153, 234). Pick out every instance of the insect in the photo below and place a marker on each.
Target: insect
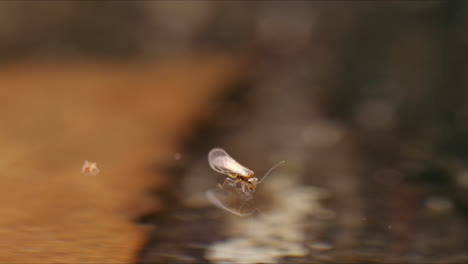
(238, 188)
(90, 168)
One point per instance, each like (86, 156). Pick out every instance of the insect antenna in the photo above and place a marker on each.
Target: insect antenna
(272, 168)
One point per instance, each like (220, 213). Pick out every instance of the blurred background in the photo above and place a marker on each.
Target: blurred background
(364, 100)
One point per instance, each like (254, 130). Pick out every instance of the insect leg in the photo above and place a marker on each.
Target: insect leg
(231, 182)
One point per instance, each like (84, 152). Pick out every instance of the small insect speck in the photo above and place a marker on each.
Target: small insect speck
(90, 168)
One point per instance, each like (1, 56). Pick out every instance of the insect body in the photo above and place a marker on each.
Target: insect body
(221, 162)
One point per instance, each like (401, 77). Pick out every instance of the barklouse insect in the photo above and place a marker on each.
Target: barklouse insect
(236, 193)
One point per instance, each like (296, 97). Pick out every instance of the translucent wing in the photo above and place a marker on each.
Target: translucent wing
(221, 162)
(230, 199)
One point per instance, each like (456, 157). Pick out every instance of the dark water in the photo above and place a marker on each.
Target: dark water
(372, 114)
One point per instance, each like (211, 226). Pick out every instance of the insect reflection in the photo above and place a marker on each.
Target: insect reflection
(235, 195)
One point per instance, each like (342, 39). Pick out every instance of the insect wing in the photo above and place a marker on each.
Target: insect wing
(221, 162)
(231, 199)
